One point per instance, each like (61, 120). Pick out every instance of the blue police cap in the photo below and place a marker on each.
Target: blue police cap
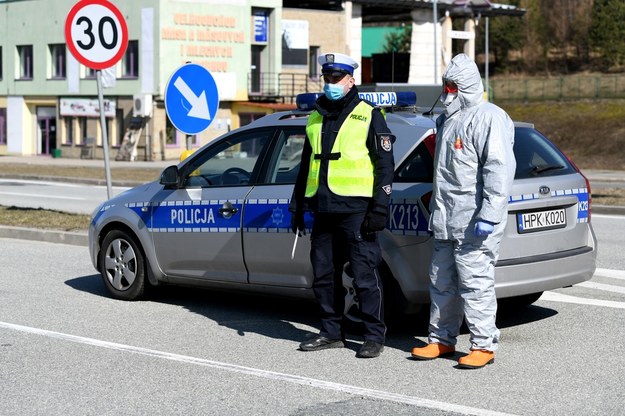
(337, 62)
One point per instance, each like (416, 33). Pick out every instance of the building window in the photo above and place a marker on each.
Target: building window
(69, 130)
(88, 131)
(57, 61)
(3, 126)
(130, 61)
(90, 73)
(25, 54)
(171, 136)
(313, 66)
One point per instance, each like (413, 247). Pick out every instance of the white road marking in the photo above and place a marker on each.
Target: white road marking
(558, 297)
(611, 273)
(272, 375)
(42, 196)
(612, 217)
(603, 286)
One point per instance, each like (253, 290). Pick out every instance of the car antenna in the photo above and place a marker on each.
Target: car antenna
(431, 110)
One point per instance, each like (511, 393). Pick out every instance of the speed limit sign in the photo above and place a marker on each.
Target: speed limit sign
(96, 33)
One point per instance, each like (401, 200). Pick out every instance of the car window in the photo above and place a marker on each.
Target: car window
(419, 166)
(285, 161)
(538, 157)
(231, 162)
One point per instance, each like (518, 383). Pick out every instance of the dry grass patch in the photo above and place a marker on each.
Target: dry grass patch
(42, 218)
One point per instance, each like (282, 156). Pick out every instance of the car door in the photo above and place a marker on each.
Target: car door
(267, 237)
(197, 228)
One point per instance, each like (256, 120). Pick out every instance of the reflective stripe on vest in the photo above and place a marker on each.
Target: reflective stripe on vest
(352, 173)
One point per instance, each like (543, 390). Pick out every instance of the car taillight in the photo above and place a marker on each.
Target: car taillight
(589, 193)
(585, 179)
(430, 143)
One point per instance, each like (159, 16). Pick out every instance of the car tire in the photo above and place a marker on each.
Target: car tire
(122, 266)
(522, 301)
(394, 299)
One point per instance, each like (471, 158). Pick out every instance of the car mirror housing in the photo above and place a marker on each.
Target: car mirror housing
(169, 176)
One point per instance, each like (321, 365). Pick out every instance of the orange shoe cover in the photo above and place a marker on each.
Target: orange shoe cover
(477, 359)
(431, 351)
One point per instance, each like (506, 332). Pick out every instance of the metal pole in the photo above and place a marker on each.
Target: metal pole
(436, 51)
(487, 58)
(105, 141)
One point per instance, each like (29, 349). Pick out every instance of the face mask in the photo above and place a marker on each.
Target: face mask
(451, 102)
(334, 91)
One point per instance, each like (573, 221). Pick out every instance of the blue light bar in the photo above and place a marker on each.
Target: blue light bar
(382, 99)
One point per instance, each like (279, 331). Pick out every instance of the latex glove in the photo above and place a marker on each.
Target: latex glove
(483, 228)
(297, 223)
(374, 221)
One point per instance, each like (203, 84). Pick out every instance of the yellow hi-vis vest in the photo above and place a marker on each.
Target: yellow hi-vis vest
(350, 170)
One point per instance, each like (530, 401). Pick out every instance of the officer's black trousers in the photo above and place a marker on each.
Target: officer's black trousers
(335, 239)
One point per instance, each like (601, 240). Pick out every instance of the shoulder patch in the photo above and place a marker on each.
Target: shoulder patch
(388, 189)
(386, 143)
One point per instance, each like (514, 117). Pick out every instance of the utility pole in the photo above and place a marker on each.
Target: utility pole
(436, 49)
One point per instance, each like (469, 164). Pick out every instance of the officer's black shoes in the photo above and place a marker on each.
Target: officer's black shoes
(370, 349)
(320, 343)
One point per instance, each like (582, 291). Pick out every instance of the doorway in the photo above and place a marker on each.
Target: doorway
(46, 130)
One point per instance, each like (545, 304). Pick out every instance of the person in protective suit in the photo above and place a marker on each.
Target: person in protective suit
(345, 180)
(474, 169)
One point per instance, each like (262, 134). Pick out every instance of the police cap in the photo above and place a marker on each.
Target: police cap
(337, 62)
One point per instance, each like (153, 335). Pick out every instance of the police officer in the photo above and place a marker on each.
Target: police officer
(345, 180)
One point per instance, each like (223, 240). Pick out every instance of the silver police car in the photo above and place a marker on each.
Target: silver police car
(220, 218)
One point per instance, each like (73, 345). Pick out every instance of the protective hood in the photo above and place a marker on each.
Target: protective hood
(463, 71)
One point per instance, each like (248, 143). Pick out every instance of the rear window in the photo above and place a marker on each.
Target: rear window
(536, 156)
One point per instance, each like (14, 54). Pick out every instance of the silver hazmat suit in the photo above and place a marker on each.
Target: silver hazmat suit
(474, 168)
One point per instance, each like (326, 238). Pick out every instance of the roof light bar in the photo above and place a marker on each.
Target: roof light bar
(382, 99)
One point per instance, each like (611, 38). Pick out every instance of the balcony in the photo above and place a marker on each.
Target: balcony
(280, 87)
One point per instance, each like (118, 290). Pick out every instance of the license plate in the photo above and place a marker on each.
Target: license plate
(528, 222)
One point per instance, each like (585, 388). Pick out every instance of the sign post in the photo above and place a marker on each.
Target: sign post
(97, 35)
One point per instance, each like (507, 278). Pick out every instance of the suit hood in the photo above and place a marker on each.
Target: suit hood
(463, 71)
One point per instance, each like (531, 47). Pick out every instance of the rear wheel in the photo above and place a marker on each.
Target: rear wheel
(394, 299)
(122, 266)
(520, 301)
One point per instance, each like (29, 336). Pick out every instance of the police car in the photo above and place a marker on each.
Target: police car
(220, 218)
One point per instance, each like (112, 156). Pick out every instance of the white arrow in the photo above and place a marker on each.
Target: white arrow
(199, 105)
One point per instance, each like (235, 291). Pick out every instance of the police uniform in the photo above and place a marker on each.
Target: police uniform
(345, 180)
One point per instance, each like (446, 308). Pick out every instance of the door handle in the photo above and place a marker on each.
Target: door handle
(227, 210)
(232, 210)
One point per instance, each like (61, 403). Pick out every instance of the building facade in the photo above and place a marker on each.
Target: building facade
(260, 53)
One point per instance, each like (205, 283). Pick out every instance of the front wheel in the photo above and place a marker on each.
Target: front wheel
(122, 266)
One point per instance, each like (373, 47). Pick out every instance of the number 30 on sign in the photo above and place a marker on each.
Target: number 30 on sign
(96, 33)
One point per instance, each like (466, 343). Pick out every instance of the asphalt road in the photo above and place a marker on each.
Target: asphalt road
(67, 348)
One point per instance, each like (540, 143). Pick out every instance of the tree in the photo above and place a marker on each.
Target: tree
(399, 40)
(607, 32)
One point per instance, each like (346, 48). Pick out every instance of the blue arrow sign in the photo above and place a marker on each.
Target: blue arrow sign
(191, 99)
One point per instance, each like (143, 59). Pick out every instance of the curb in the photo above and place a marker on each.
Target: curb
(87, 181)
(50, 236)
(608, 209)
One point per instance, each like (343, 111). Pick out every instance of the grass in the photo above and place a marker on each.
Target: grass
(130, 174)
(590, 132)
(42, 218)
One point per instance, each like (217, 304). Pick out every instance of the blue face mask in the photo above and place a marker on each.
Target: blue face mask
(333, 91)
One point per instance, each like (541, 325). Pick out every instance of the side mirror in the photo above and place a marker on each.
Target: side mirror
(169, 177)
